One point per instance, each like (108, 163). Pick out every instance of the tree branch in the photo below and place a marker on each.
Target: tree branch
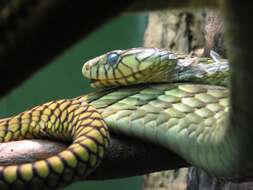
(125, 157)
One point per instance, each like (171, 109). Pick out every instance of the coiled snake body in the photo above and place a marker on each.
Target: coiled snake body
(138, 98)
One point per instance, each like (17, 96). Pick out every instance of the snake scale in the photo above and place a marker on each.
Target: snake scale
(148, 93)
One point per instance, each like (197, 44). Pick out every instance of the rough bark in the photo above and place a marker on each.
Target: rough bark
(174, 30)
(166, 180)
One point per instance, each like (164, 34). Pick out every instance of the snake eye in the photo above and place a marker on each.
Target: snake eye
(112, 58)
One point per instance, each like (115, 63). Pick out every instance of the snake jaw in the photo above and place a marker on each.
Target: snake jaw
(95, 83)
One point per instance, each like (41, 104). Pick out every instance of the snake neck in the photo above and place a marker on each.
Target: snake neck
(183, 68)
(201, 70)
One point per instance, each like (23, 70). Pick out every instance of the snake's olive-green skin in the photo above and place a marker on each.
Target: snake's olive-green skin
(190, 119)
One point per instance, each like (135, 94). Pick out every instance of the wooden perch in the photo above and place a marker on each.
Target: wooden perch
(125, 157)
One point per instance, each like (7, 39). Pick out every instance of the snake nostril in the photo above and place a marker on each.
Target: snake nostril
(87, 67)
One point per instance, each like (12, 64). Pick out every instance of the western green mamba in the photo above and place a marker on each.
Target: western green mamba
(177, 101)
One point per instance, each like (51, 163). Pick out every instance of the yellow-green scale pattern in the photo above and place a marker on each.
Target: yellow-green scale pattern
(72, 121)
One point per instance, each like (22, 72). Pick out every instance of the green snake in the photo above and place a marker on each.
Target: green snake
(147, 93)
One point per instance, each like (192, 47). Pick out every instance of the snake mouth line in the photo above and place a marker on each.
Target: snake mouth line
(134, 76)
(109, 81)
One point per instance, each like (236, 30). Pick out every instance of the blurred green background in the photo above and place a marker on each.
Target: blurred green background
(63, 79)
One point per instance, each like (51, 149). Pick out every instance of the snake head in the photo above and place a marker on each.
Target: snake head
(128, 67)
